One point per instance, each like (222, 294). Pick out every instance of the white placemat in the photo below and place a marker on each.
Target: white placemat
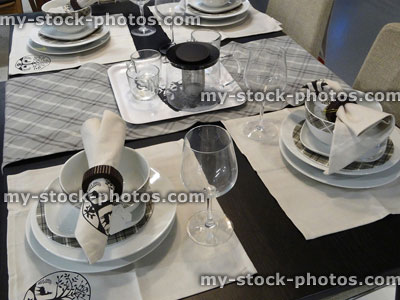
(315, 209)
(118, 48)
(172, 271)
(256, 23)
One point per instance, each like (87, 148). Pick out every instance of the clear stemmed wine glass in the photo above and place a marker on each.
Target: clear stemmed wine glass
(265, 72)
(167, 10)
(209, 166)
(143, 30)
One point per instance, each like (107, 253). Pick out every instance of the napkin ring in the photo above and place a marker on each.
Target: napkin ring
(106, 172)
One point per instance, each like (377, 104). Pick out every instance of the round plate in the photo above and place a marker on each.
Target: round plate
(65, 51)
(47, 42)
(218, 16)
(82, 267)
(353, 182)
(162, 216)
(295, 120)
(199, 5)
(223, 22)
(52, 32)
(61, 218)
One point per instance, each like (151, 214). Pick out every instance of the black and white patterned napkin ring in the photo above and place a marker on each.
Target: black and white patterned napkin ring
(105, 172)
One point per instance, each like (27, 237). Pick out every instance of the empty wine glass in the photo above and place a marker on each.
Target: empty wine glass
(167, 10)
(143, 30)
(209, 166)
(265, 72)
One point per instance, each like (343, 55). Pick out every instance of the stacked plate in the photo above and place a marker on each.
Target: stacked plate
(308, 155)
(52, 40)
(50, 232)
(234, 11)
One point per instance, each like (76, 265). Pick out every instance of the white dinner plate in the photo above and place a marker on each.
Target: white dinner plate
(221, 22)
(162, 216)
(61, 218)
(84, 267)
(70, 50)
(52, 43)
(297, 117)
(52, 32)
(218, 16)
(200, 5)
(353, 182)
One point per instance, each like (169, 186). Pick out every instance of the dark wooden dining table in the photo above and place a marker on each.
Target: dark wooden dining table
(270, 239)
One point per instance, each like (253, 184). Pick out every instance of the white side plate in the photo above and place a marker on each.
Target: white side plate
(287, 138)
(70, 50)
(231, 13)
(84, 267)
(162, 217)
(47, 42)
(200, 5)
(353, 182)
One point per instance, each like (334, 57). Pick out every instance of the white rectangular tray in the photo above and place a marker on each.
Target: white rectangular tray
(142, 112)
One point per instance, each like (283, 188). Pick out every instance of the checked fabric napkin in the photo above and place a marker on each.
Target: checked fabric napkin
(103, 141)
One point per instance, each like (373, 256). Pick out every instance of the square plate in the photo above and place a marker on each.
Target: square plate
(143, 112)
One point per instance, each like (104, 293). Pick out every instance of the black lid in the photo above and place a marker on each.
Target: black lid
(193, 55)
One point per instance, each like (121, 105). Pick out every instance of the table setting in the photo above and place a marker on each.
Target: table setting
(49, 46)
(330, 167)
(91, 263)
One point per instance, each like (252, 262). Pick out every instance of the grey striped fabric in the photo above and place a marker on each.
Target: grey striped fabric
(44, 113)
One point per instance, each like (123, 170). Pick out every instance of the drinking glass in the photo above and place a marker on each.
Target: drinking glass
(143, 30)
(265, 72)
(214, 38)
(209, 166)
(167, 10)
(143, 81)
(146, 57)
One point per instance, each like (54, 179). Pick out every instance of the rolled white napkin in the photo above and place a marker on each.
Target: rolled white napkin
(358, 130)
(103, 141)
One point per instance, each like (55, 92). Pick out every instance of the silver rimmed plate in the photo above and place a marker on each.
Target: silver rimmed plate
(48, 42)
(290, 136)
(52, 32)
(162, 216)
(201, 6)
(70, 50)
(353, 182)
(84, 267)
(218, 16)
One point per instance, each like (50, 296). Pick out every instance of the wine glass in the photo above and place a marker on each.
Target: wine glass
(143, 30)
(209, 166)
(265, 72)
(167, 10)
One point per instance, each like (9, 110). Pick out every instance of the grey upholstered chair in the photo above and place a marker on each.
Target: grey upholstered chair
(381, 68)
(305, 21)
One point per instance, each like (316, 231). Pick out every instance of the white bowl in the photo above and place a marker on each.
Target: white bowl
(63, 27)
(320, 127)
(133, 167)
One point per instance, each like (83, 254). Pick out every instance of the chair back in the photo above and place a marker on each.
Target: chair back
(305, 21)
(381, 68)
(11, 7)
(36, 5)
